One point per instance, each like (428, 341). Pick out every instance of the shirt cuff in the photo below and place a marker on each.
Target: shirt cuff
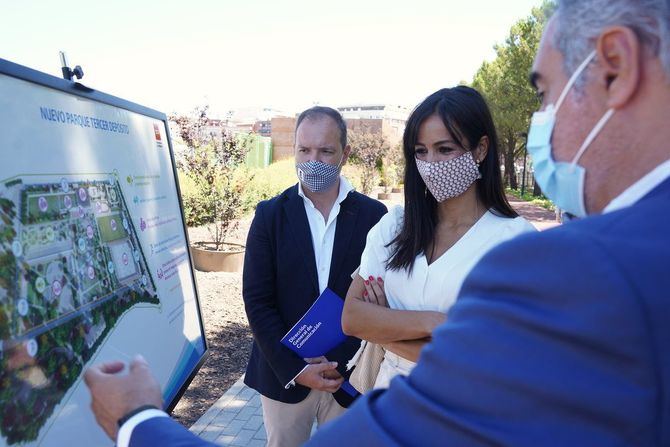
(126, 430)
(292, 382)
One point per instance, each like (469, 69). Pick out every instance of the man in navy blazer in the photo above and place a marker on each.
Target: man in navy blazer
(558, 338)
(308, 238)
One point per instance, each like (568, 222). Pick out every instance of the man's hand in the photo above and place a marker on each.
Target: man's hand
(321, 376)
(313, 360)
(114, 394)
(328, 374)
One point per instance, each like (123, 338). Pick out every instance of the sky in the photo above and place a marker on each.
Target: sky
(284, 54)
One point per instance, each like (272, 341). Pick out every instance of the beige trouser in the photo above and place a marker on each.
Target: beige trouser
(290, 425)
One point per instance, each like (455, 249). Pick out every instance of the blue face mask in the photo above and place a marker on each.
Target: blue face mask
(561, 182)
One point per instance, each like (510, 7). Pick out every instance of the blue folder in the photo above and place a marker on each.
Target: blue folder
(319, 330)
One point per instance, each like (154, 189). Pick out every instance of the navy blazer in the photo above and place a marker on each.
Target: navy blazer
(560, 338)
(280, 284)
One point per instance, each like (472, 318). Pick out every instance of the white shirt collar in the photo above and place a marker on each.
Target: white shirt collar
(345, 189)
(640, 188)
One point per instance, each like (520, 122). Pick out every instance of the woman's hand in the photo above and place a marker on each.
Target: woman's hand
(374, 291)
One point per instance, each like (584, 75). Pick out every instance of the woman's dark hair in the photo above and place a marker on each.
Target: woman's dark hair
(467, 118)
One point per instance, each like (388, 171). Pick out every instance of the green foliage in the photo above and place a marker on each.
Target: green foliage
(394, 165)
(535, 200)
(368, 149)
(504, 83)
(265, 183)
(196, 204)
(353, 174)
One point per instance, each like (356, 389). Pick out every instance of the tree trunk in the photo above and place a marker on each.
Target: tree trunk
(510, 172)
(536, 189)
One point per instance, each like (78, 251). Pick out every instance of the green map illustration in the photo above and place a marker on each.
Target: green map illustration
(70, 266)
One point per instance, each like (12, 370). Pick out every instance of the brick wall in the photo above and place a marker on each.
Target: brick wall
(283, 137)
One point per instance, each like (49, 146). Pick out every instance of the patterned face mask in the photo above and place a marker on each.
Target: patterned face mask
(318, 176)
(449, 178)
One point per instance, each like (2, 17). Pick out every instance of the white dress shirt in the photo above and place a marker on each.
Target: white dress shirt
(640, 188)
(323, 238)
(126, 430)
(323, 230)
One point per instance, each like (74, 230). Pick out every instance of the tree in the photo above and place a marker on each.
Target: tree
(394, 164)
(368, 149)
(504, 82)
(210, 163)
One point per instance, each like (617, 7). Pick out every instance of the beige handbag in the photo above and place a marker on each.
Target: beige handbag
(367, 360)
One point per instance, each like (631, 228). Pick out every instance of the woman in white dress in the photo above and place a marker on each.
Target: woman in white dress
(417, 256)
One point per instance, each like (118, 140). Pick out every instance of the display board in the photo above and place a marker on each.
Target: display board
(94, 259)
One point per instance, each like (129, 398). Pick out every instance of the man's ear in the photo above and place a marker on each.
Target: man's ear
(619, 55)
(347, 152)
(482, 149)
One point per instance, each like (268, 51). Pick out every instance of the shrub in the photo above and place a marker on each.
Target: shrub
(195, 202)
(265, 183)
(368, 149)
(528, 197)
(210, 163)
(394, 164)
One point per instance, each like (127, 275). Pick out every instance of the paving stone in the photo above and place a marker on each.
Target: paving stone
(223, 401)
(246, 393)
(254, 423)
(261, 434)
(243, 437)
(237, 387)
(245, 413)
(233, 428)
(255, 401)
(205, 420)
(225, 440)
(235, 405)
(235, 419)
(210, 433)
(223, 419)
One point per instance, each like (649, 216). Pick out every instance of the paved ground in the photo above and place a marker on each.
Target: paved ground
(236, 419)
(538, 216)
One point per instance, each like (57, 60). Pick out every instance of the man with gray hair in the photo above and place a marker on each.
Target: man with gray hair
(561, 338)
(558, 338)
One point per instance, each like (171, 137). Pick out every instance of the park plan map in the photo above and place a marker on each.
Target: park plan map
(70, 266)
(94, 256)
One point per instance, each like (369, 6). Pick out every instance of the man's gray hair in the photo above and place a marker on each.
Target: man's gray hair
(580, 22)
